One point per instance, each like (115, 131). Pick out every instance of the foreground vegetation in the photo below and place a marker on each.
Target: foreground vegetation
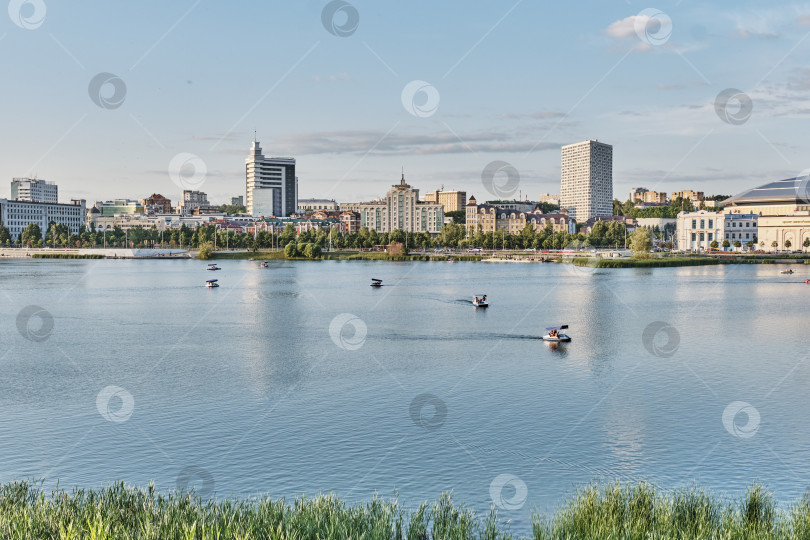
(596, 512)
(644, 263)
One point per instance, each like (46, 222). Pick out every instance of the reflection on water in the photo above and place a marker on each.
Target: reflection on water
(251, 383)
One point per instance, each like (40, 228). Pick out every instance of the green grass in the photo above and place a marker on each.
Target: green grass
(609, 511)
(644, 263)
(65, 256)
(245, 255)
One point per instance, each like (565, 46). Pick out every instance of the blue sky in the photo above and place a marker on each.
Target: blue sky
(514, 80)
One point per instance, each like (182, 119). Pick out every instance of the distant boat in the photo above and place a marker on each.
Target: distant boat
(555, 336)
(213, 267)
(263, 265)
(376, 282)
(211, 283)
(451, 259)
(480, 302)
(787, 271)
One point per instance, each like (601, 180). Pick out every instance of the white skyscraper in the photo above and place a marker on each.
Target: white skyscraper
(271, 184)
(27, 189)
(586, 183)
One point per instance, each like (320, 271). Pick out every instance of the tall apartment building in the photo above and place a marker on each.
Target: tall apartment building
(16, 215)
(271, 184)
(27, 189)
(586, 183)
(401, 209)
(453, 201)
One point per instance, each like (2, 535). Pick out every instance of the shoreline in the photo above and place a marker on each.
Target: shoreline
(583, 259)
(597, 511)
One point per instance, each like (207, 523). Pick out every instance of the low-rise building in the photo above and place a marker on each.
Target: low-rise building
(688, 194)
(17, 215)
(697, 230)
(309, 205)
(513, 205)
(549, 198)
(156, 204)
(119, 206)
(195, 203)
(491, 218)
(741, 228)
(644, 195)
(238, 201)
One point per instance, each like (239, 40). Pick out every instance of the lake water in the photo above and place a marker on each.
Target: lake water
(302, 379)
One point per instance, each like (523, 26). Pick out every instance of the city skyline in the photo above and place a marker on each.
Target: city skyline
(191, 91)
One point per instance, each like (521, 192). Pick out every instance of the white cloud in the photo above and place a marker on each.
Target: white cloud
(626, 28)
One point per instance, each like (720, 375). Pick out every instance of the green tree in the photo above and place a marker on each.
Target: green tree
(291, 250)
(806, 243)
(5, 235)
(788, 244)
(726, 244)
(774, 244)
(312, 251)
(206, 250)
(737, 244)
(459, 216)
(641, 242)
(714, 244)
(31, 235)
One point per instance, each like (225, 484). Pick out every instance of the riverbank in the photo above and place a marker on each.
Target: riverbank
(596, 512)
(644, 263)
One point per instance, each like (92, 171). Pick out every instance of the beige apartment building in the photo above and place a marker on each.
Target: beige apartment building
(694, 196)
(453, 201)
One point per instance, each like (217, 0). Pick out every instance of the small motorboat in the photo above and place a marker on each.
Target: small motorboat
(787, 271)
(213, 267)
(263, 265)
(376, 282)
(211, 283)
(480, 301)
(555, 336)
(451, 259)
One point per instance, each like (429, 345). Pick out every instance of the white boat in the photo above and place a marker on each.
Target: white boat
(555, 336)
(263, 265)
(787, 271)
(213, 267)
(211, 283)
(480, 302)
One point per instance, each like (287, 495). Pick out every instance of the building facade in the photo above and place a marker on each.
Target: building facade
(118, 206)
(514, 205)
(694, 196)
(271, 184)
(31, 190)
(644, 195)
(453, 201)
(586, 183)
(238, 201)
(697, 230)
(312, 205)
(492, 219)
(17, 215)
(195, 203)
(549, 198)
(156, 204)
(742, 228)
(401, 209)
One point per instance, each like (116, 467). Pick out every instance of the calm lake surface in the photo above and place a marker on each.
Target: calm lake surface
(134, 371)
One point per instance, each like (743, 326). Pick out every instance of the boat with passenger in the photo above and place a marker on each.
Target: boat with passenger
(376, 282)
(555, 334)
(787, 271)
(211, 283)
(213, 267)
(480, 301)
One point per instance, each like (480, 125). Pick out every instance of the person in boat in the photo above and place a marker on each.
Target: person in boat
(553, 333)
(476, 299)
(484, 299)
